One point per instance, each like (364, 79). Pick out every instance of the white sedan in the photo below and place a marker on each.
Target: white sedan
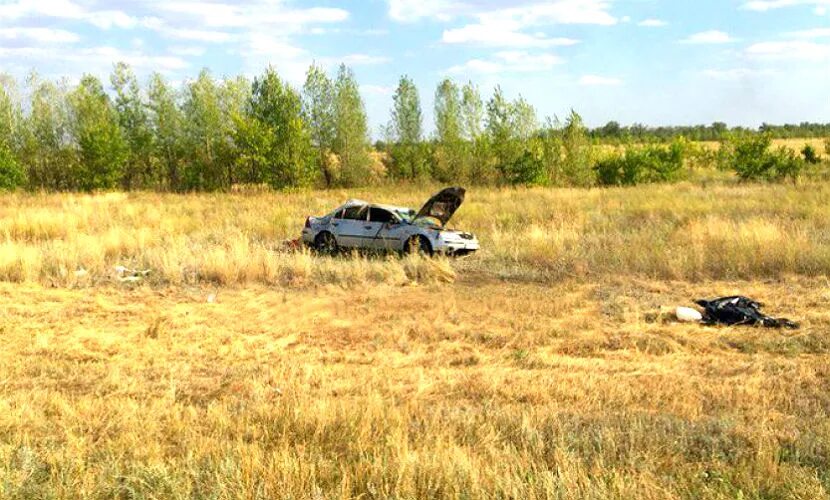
(362, 225)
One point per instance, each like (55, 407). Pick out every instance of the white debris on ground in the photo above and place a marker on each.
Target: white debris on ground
(127, 275)
(688, 315)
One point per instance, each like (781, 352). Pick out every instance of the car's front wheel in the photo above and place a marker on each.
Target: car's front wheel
(325, 243)
(418, 245)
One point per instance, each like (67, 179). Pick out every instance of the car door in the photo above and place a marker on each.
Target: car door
(384, 229)
(349, 229)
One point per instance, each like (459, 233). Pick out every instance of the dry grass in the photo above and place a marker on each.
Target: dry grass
(674, 232)
(538, 369)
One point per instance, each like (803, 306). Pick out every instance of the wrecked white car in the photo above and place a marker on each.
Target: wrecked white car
(369, 226)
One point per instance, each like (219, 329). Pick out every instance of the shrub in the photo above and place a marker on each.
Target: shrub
(11, 173)
(810, 155)
(638, 165)
(752, 159)
(577, 152)
(528, 169)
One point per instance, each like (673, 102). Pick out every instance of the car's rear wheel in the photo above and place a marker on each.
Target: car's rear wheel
(418, 245)
(325, 243)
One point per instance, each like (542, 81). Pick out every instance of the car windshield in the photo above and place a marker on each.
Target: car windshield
(406, 214)
(427, 222)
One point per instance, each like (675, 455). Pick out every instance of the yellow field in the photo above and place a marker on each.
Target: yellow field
(541, 368)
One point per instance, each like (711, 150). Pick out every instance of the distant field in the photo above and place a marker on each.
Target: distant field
(540, 368)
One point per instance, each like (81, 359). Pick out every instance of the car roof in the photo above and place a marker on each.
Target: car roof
(391, 208)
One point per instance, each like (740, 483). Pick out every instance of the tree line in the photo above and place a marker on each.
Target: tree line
(613, 132)
(212, 134)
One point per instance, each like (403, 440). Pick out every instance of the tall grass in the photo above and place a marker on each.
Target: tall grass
(679, 232)
(540, 368)
(443, 391)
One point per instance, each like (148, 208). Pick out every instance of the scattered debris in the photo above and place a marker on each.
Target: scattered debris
(127, 275)
(688, 315)
(740, 311)
(294, 245)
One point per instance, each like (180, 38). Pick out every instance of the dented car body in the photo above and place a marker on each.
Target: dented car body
(359, 224)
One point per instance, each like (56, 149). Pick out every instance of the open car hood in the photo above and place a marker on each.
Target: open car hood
(443, 205)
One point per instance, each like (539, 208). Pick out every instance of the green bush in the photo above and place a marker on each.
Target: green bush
(810, 155)
(642, 165)
(752, 159)
(528, 170)
(11, 173)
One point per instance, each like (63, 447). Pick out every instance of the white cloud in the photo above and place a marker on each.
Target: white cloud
(39, 35)
(652, 23)
(527, 12)
(767, 5)
(49, 8)
(65, 9)
(595, 80)
(509, 27)
(96, 60)
(791, 50)
(252, 15)
(709, 37)
(812, 33)
(555, 12)
(406, 11)
(503, 35)
(509, 61)
(107, 19)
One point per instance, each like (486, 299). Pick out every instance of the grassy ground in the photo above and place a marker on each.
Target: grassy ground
(541, 368)
(683, 231)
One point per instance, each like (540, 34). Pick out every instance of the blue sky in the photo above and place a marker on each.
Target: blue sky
(648, 61)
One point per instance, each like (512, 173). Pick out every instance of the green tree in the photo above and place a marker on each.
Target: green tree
(523, 118)
(102, 150)
(472, 112)
(408, 152)
(286, 144)
(11, 172)
(501, 134)
(577, 153)
(752, 159)
(318, 104)
(479, 161)
(351, 140)
(166, 121)
(203, 136)
(451, 151)
(49, 158)
(140, 170)
(234, 99)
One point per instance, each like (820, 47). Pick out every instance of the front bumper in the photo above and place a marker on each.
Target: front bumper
(308, 236)
(457, 247)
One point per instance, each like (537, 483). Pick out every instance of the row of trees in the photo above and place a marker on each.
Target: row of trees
(212, 134)
(614, 132)
(208, 136)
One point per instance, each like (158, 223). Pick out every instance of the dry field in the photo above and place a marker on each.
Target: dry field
(540, 368)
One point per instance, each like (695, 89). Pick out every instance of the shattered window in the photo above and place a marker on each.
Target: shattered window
(355, 213)
(380, 215)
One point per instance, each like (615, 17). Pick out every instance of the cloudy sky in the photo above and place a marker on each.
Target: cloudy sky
(648, 61)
